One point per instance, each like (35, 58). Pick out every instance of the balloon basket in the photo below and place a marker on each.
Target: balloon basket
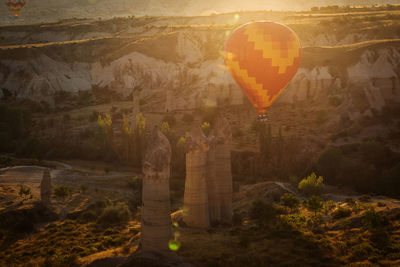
(262, 118)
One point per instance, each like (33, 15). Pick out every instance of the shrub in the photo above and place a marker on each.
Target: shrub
(290, 201)
(328, 206)
(170, 119)
(296, 220)
(60, 259)
(115, 214)
(314, 203)
(341, 213)
(262, 212)
(361, 251)
(165, 129)
(62, 191)
(373, 219)
(206, 127)
(329, 161)
(24, 190)
(312, 185)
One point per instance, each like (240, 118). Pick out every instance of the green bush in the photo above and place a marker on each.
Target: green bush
(314, 204)
(263, 213)
(361, 251)
(206, 127)
(296, 220)
(311, 185)
(290, 201)
(24, 190)
(115, 214)
(373, 219)
(328, 163)
(62, 191)
(170, 119)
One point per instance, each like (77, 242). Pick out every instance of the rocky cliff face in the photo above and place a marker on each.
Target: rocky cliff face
(182, 68)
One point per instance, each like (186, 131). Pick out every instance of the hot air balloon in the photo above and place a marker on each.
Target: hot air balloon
(15, 6)
(262, 57)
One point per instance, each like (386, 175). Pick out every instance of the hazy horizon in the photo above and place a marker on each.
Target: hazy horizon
(46, 10)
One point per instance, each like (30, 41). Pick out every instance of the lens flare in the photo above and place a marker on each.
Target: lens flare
(174, 245)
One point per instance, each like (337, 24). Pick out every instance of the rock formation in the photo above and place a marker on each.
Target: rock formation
(195, 206)
(156, 218)
(45, 188)
(212, 182)
(223, 175)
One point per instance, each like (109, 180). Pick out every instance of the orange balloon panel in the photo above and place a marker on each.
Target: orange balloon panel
(262, 57)
(15, 5)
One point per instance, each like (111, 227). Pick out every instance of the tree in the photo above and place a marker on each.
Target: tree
(372, 152)
(127, 134)
(139, 139)
(290, 201)
(165, 129)
(206, 127)
(314, 203)
(170, 119)
(329, 162)
(262, 212)
(311, 185)
(106, 133)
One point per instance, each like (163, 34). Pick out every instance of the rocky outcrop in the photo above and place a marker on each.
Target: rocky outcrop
(223, 173)
(214, 199)
(45, 188)
(188, 72)
(156, 220)
(195, 203)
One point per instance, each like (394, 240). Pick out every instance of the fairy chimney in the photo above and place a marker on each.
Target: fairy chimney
(212, 183)
(156, 219)
(45, 188)
(195, 202)
(223, 175)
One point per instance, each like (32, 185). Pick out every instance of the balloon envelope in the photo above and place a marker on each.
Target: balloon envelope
(15, 6)
(262, 57)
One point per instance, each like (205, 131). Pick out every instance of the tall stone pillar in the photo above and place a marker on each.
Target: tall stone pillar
(195, 206)
(45, 188)
(223, 174)
(212, 182)
(156, 219)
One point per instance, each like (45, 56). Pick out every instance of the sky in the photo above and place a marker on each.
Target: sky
(45, 10)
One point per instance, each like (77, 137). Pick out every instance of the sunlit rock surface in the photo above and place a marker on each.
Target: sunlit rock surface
(195, 203)
(156, 220)
(223, 173)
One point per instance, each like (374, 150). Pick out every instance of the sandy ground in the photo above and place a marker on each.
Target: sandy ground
(113, 185)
